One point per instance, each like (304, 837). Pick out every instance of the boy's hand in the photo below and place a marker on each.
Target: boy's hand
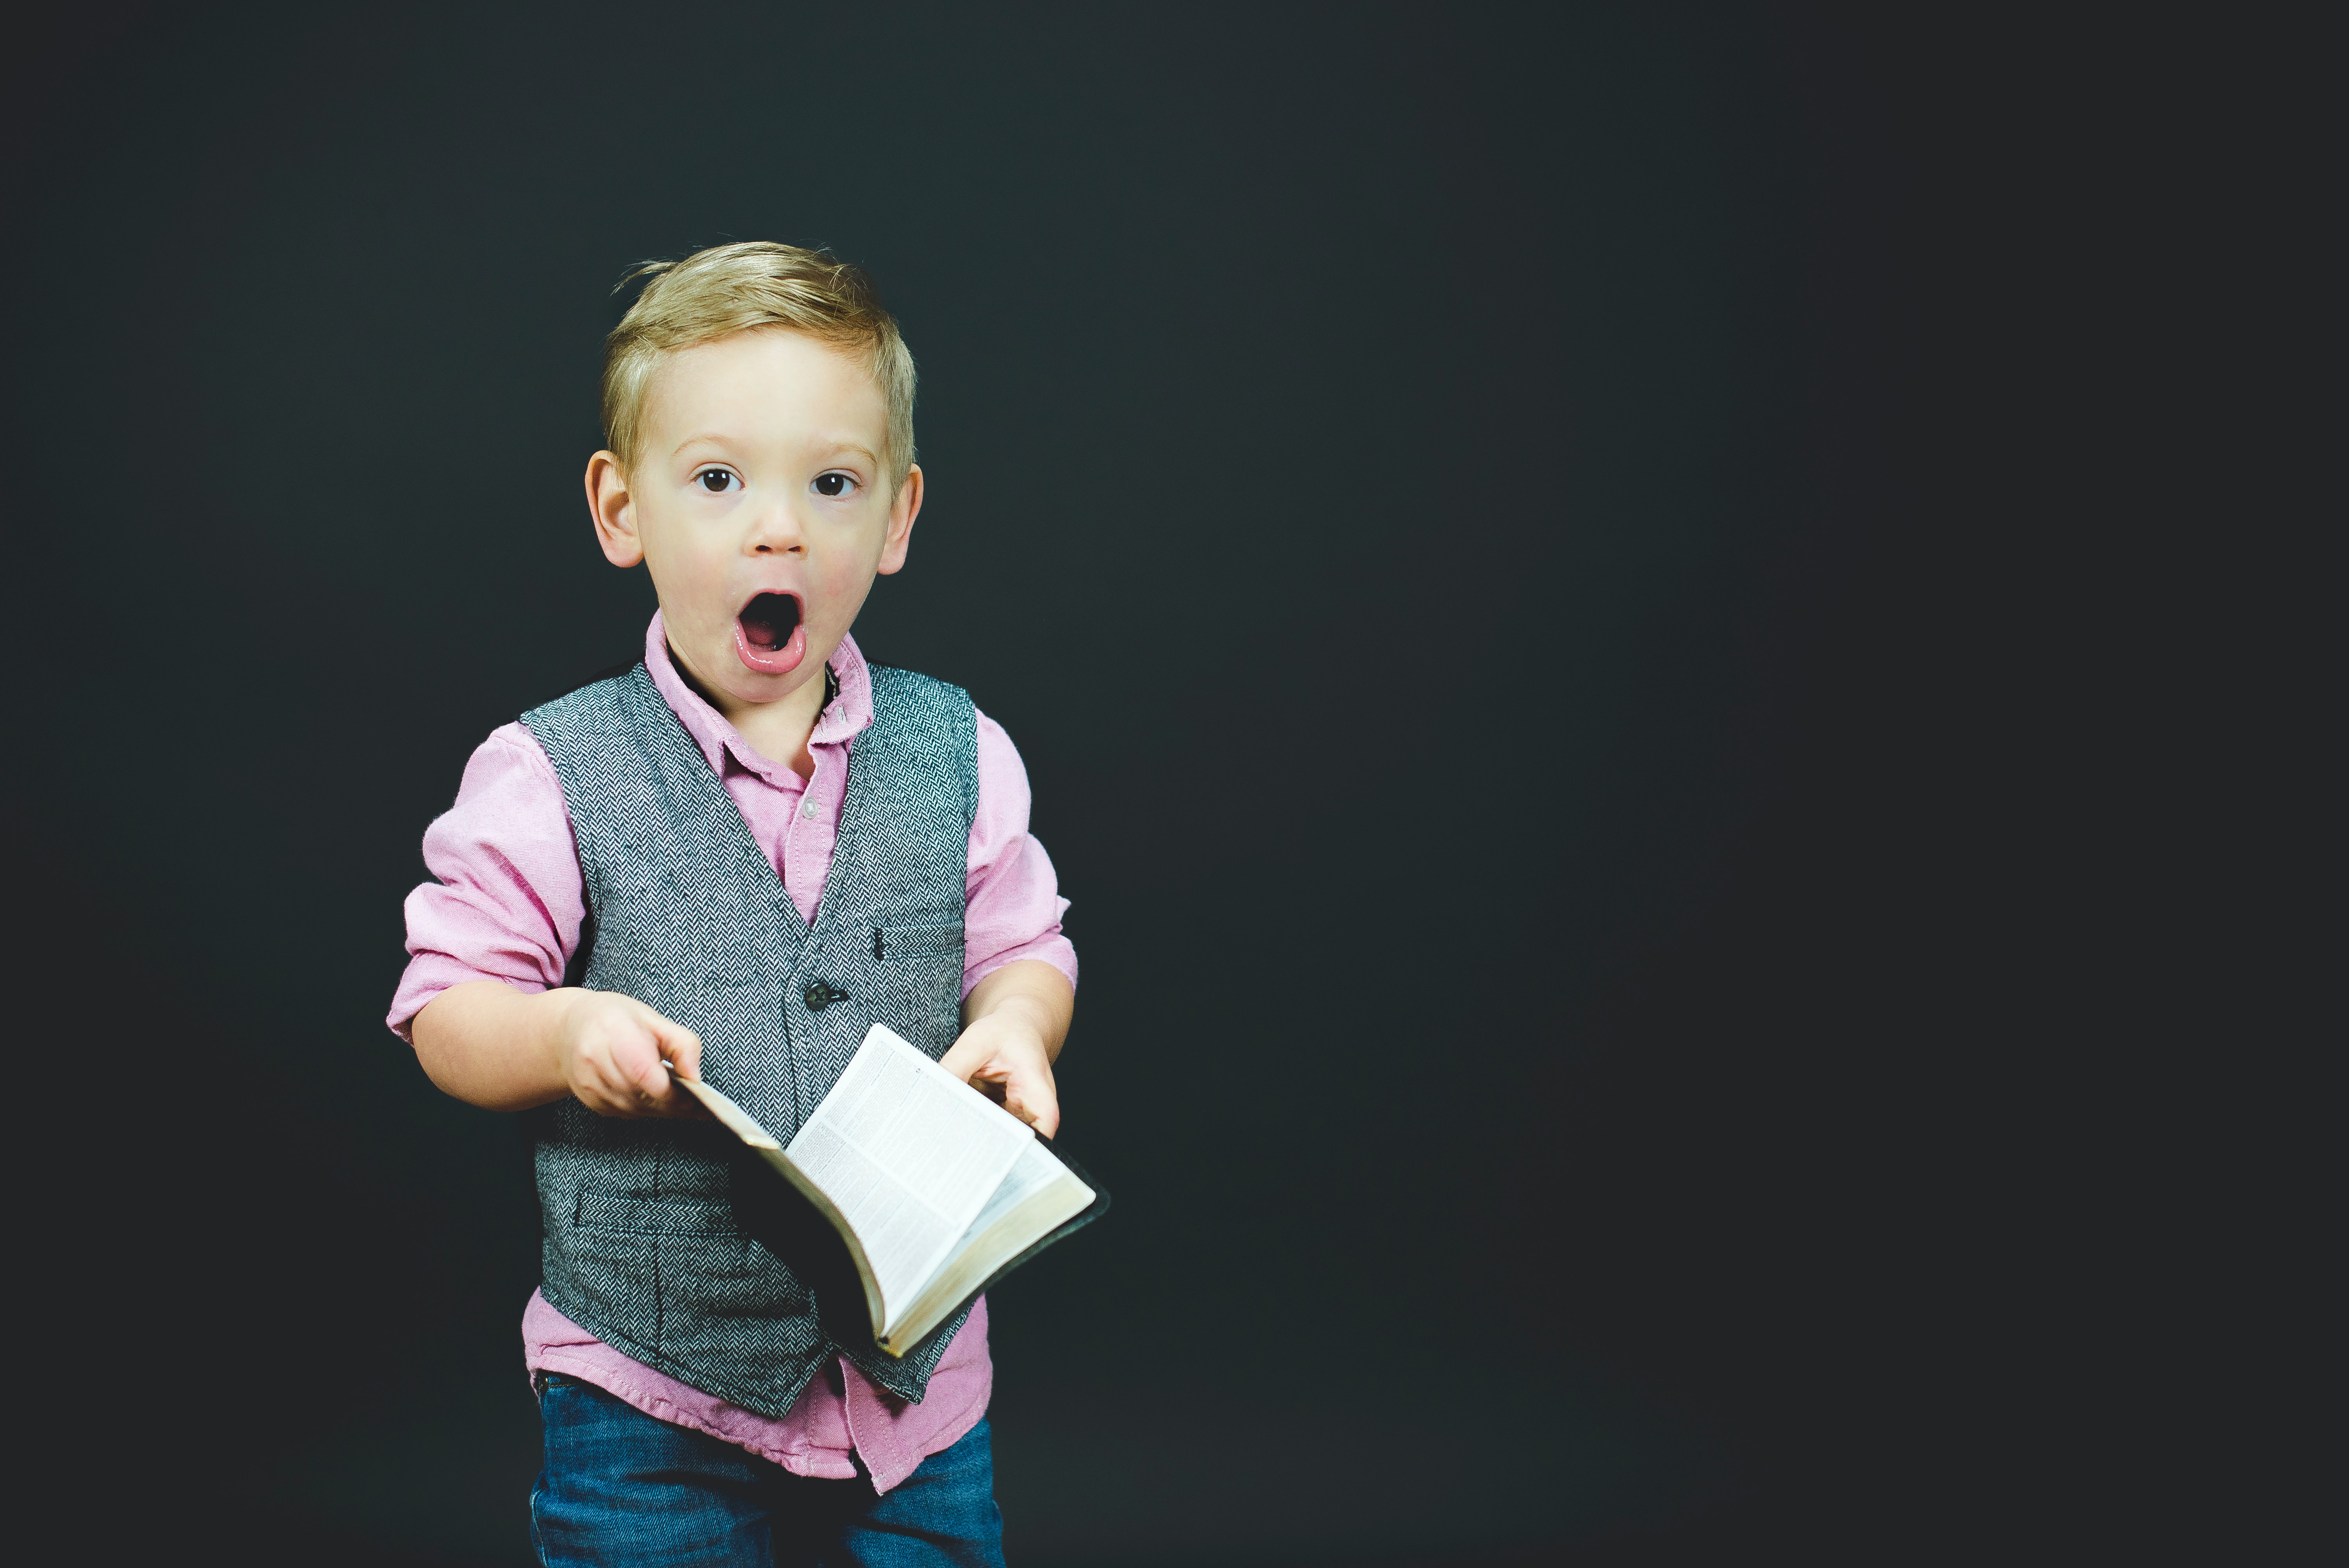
(613, 1052)
(1002, 1055)
(505, 1049)
(1013, 1024)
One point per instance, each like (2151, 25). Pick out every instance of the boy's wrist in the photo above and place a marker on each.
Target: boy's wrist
(1024, 1011)
(555, 1008)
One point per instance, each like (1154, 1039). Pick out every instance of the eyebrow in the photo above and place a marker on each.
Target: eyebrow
(858, 448)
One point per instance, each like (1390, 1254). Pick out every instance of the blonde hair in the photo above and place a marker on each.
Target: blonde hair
(730, 289)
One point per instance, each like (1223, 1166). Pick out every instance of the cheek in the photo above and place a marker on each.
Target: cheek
(683, 563)
(845, 577)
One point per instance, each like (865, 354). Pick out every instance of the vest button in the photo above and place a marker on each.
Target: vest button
(820, 995)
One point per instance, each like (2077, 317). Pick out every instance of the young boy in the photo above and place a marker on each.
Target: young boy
(735, 858)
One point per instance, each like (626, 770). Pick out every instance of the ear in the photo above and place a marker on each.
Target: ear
(608, 502)
(903, 510)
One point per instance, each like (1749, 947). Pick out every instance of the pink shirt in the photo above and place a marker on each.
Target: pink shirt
(508, 906)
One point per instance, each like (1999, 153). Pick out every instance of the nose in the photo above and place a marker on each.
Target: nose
(775, 531)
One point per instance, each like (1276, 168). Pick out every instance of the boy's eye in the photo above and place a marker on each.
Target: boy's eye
(834, 484)
(716, 481)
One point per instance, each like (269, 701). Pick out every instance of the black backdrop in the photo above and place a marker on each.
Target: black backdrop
(1422, 486)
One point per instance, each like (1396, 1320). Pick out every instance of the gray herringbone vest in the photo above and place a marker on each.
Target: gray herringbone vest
(685, 913)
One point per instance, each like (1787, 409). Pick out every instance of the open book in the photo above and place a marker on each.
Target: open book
(936, 1190)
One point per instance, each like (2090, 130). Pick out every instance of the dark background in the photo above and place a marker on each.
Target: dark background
(1491, 530)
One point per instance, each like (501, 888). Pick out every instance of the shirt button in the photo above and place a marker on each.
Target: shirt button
(808, 811)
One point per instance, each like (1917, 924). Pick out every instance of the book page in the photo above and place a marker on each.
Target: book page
(909, 1154)
(1038, 1194)
(1030, 1173)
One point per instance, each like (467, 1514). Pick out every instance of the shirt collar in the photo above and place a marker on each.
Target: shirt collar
(843, 719)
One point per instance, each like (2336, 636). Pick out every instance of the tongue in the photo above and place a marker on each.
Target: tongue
(768, 621)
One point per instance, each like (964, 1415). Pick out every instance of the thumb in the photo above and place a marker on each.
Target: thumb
(1030, 1095)
(679, 1045)
(680, 1048)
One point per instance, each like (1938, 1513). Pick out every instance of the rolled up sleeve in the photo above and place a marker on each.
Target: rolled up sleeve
(506, 902)
(1012, 897)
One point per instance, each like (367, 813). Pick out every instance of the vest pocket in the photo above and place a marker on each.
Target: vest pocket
(679, 1276)
(902, 942)
(655, 1216)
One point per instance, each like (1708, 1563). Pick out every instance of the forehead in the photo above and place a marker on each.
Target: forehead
(770, 384)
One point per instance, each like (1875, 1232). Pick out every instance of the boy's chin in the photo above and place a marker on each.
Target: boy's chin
(778, 660)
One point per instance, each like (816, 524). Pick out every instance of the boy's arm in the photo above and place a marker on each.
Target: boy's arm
(1013, 1024)
(492, 1045)
(491, 936)
(1016, 1014)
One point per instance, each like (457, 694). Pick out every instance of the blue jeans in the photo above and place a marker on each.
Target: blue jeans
(621, 1488)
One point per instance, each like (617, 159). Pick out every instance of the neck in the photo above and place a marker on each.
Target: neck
(777, 730)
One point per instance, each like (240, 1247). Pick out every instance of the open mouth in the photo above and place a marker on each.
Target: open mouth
(768, 633)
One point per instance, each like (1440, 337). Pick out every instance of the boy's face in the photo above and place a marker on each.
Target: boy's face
(759, 502)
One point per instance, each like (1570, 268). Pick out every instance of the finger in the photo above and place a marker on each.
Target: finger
(682, 1046)
(1032, 1097)
(616, 1092)
(643, 1074)
(684, 1103)
(1047, 1119)
(675, 1100)
(681, 1050)
(992, 1078)
(675, 1053)
(653, 1088)
(606, 1092)
(599, 1081)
